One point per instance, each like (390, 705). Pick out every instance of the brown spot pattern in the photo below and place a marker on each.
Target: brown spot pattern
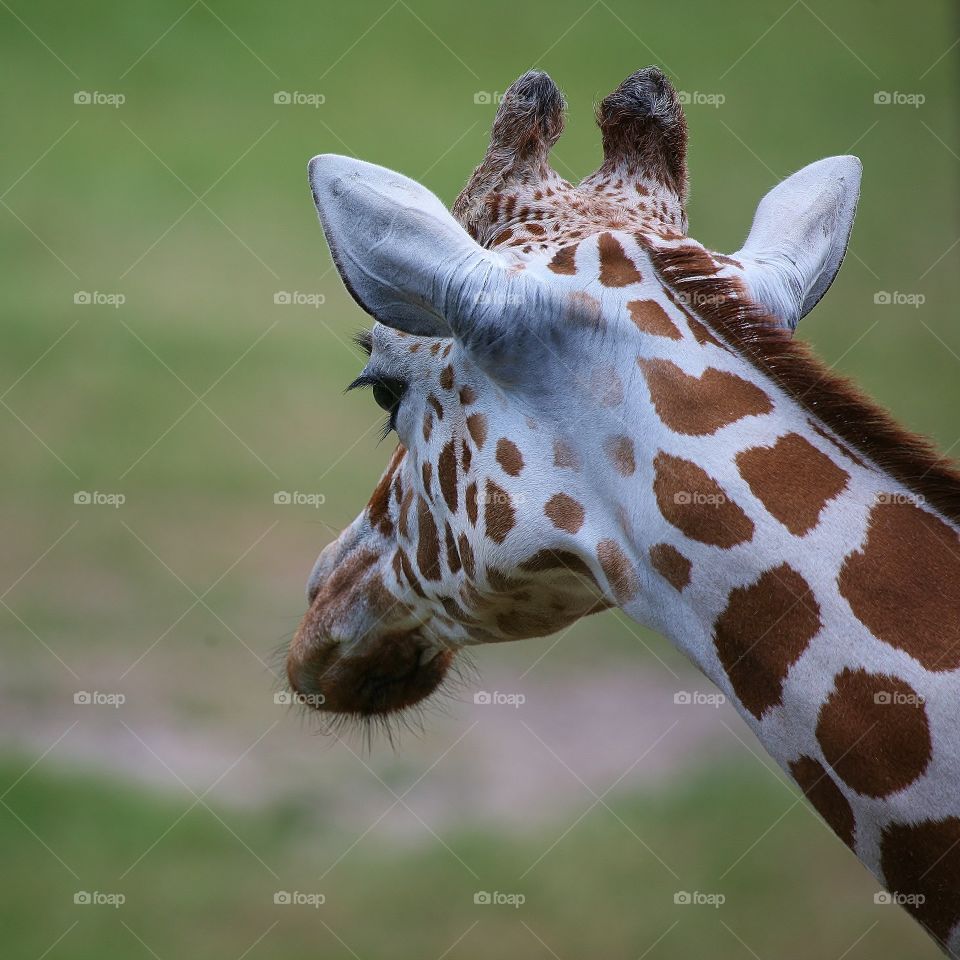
(691, 500)
(620, 451)
(826, 797)
(477, 425)
(498, 512)
(467, 395)
(606, 387)
(446, 377)
(565, 456)
(616, 268)
(564, 512)
(651, 318)
(447, 474)
(453, 557)
(405, 513)
(618, 570)
(407, 568)
(564, 260)
(793, 480)
(466, 555)
(764, 629)
(671, 564)
(509, 457)
(699, 406)
(471, 498)
(379, 505)
(902, 585)
(924, 859)
(428, 544)
(702, 333)
(544, 560)
(873, 731)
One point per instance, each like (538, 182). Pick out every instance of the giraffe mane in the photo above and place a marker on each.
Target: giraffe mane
(833, 400)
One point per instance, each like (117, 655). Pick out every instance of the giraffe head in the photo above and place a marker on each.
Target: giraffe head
(505, 352)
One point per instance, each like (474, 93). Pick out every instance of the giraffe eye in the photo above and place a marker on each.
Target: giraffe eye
(388, 394)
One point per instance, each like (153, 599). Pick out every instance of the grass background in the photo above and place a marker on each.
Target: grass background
(199, 398)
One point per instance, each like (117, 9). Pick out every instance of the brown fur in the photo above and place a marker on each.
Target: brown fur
(764, 629)
(874, 732)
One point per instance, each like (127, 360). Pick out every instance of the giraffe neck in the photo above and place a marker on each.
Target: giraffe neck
(815, 589)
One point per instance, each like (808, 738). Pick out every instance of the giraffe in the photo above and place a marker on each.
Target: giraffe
(593, 411)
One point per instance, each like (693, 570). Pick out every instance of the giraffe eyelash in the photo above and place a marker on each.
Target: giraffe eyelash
(388, 392)
(364, 340)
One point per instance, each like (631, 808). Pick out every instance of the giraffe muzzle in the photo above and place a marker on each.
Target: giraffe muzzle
(367, 677)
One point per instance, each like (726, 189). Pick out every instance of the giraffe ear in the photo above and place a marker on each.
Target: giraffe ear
(401, 255)
(799, 237)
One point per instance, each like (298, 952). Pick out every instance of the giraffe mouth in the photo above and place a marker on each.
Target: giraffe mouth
(382, 677)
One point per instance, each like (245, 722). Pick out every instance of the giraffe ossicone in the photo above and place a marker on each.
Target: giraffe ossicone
(595, 411)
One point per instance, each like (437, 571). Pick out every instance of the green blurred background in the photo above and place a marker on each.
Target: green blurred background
(199, 799)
